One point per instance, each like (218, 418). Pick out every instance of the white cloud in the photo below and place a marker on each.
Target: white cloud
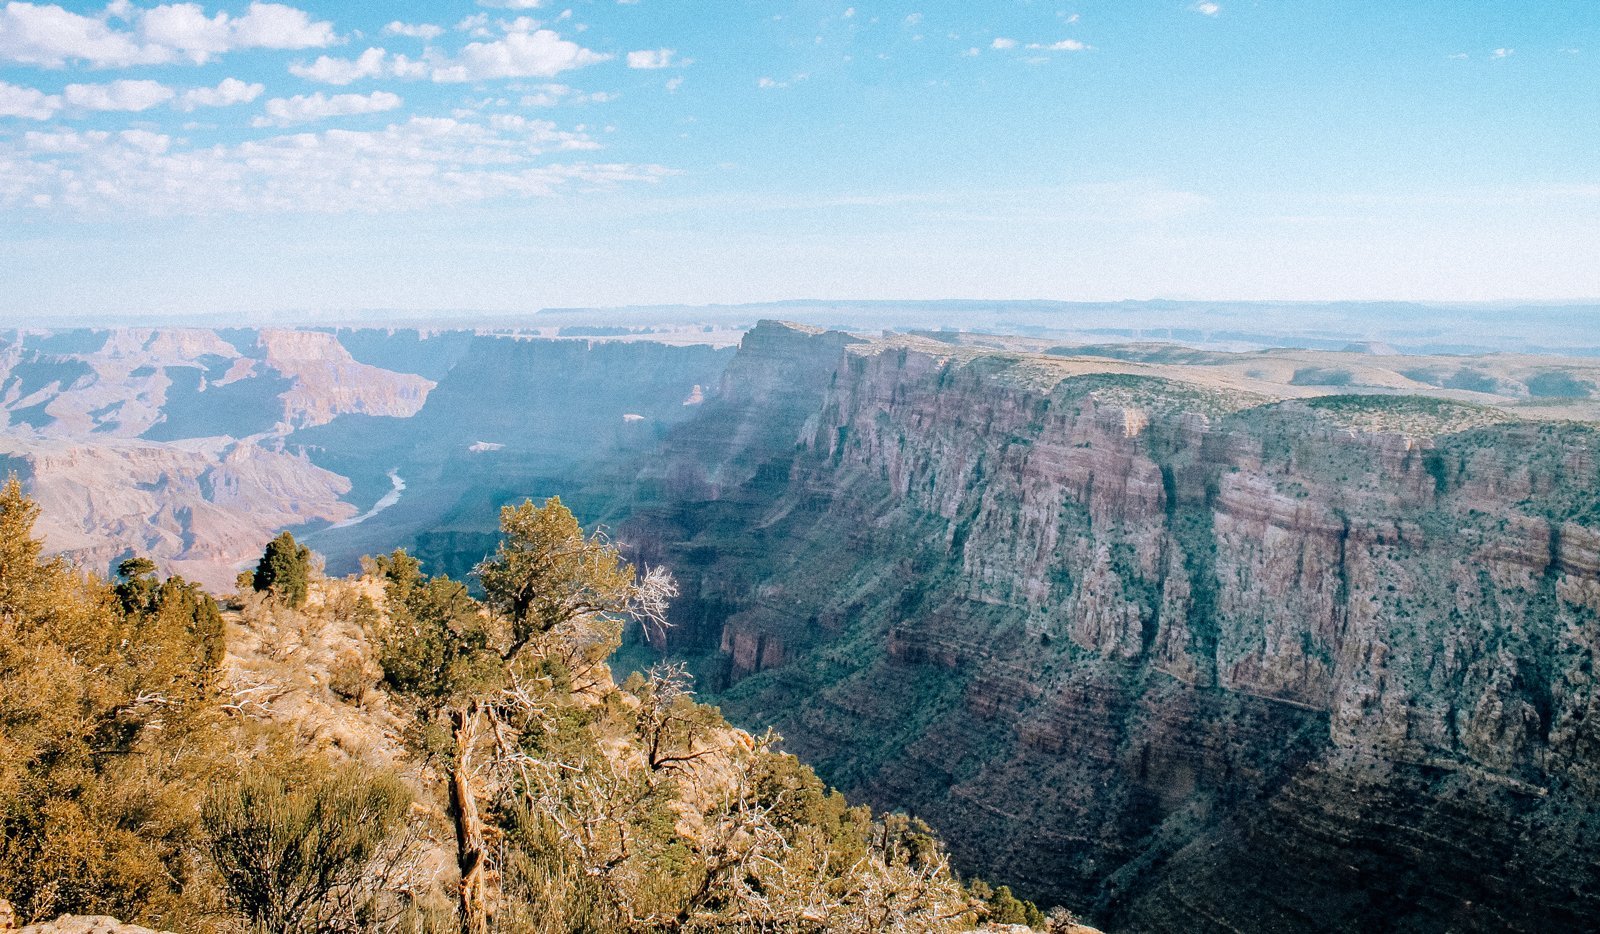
(1065, 45)
(117, 95)
(1206, 8)
(673, 84)
(650, 58)
(421, 162)
(373, 63)
(549, 95)
(28, 103)
(424, 31)
(50, 36)
(304, 108)
(1003, 43)
(1502, 53)
(913, 19)
(146, 141)
(229, 92)
(540, 53)
(512, 4)
(523, 51)
(275, 26)
(476, 24)
(543, 131)
(971, 52)
(767, 83)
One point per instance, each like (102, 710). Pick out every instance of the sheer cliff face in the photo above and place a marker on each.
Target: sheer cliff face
(1176, 654)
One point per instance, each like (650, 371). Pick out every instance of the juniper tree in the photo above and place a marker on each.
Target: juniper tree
(107, 726)
(284, 570)
(474, 674)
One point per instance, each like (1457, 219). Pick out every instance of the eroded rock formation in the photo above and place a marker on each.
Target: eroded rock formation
(1185, 653)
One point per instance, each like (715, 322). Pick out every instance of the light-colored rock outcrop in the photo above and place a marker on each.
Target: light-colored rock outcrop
(82, 924)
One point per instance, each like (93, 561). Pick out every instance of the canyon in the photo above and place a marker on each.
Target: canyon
(195, 446)
(1178, 636)
(1163, 646)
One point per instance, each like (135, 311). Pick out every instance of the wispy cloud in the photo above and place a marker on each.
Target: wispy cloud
(228, 92)
(523, 50)
(125, 95)
(1065, 45)
(521, 53)
(1206, 8)
(550, 95)
(416, 163)
(27, 103)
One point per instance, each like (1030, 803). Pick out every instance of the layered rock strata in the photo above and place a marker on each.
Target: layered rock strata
(1181, 654)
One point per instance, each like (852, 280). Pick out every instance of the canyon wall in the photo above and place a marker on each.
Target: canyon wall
(1178, 654)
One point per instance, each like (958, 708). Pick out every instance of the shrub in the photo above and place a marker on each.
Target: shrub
(308, 852)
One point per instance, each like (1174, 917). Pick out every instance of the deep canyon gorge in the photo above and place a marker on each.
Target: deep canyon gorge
(1180, 638)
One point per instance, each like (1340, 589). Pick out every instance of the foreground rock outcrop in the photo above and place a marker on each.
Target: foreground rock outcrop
(86, 924)
(1184, 652)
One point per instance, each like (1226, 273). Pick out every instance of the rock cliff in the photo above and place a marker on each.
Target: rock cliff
(1184, 652)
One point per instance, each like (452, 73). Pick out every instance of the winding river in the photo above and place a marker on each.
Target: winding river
(389, 499)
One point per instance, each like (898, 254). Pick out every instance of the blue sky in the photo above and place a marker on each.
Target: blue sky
(334, 156)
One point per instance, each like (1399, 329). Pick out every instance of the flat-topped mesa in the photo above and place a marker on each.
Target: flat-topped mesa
(1212, 590)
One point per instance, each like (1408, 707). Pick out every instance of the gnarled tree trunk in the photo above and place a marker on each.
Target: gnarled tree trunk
(471, 855)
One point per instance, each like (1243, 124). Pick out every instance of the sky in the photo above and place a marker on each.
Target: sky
(508, 155)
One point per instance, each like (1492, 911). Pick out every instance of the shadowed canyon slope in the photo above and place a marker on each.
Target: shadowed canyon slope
(1153, 642)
